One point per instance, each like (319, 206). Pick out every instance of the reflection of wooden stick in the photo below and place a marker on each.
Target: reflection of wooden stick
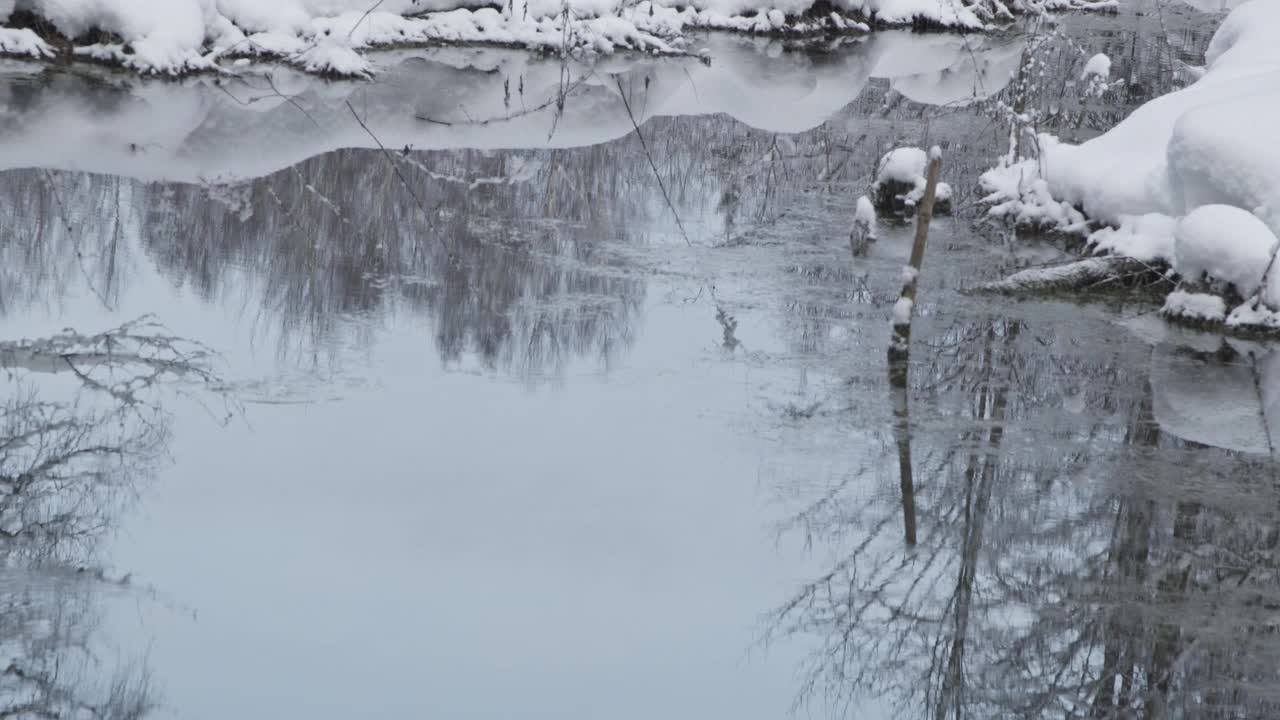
(902, 311)
(902, 436)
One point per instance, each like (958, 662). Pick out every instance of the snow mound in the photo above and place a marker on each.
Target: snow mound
(865, 216)
(1098, 66)
(904, 165)
(900, 178)
(1226, 244)
(902, 311)
(865, 212)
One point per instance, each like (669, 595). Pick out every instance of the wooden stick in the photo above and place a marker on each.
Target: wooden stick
(900, 346)
(903, 310)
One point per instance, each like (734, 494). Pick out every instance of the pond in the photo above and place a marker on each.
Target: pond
(504, 386)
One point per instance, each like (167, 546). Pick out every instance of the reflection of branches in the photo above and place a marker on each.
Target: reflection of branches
(666, 196)
(121, 362)
(1107, 573)
(60, 469)
(63, 461)
(67, 461)
(390, 160)
(51, 690)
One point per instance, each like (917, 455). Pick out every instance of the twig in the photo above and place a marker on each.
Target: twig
(394, 166)
(364, 17)
(645, 146)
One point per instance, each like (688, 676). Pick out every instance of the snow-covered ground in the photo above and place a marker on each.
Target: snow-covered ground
(207, 129)
(1191, 179)
(327, 36)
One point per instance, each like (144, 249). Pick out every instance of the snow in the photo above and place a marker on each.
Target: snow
(907, 165)
(1148, 238)
(332, 58)
(1197, 160)
(901, 12)
(904, 165)
(902, 311)
(324, 36)
(1018, 193)
(1098, 66)
(1195, 306)
(1190, 147)
(234, 127)
(1227, 244)
(909, 274)
(865, 216)
(180, 36)
(21, 41)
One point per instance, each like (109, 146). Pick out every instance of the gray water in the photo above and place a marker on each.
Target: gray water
(536, 418)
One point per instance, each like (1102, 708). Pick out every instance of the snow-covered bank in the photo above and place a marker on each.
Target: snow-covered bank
(1190, 179)
(328, 36)
(206, 129)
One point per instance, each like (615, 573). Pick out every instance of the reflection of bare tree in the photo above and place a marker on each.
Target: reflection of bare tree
(71, 454)
(1067, 566)
(332, 244)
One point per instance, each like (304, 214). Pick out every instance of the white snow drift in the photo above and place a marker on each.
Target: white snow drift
(1191, 178)
(177, 36)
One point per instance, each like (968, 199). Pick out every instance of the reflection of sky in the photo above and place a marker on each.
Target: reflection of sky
(444, 543)
(192, 131)
(453, 542)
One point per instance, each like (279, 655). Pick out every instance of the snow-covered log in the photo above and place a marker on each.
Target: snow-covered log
(1087, 274)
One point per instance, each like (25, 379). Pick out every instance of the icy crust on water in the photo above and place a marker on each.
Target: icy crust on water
(1191, 179)
(212, 129)
(326, 36)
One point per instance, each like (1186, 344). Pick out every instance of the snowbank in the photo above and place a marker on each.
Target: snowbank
(211, 129)
(1202, 146)
(325, 36)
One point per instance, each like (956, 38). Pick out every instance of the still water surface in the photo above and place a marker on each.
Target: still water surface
(488, 432)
